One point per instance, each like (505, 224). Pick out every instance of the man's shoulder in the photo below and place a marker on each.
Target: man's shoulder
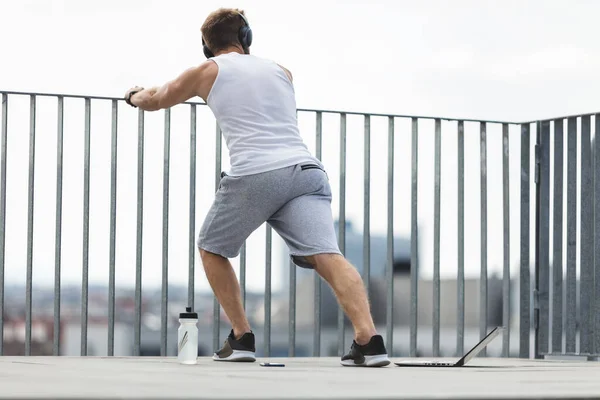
(203, 70)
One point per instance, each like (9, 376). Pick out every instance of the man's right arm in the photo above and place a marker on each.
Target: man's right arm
(196, 81)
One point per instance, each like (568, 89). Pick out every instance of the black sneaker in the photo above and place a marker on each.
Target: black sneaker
(372, 354)
(237, 350)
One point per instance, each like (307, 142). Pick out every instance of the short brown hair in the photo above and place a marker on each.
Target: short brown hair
(221, 28)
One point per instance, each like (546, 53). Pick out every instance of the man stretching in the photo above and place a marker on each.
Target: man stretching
(273, 179)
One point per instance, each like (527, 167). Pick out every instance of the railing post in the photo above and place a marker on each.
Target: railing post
(192, 217)
(113, 230)
(483, 276)
(414, 238)
(390, 241)
(525, 271)
(596, 307)
(506, 253)
(557, 251)
(216, 304)
(86, 228)
(587, 239)
(317, 278)
(30, 216)
(541, 293)
(137, 327)
(292, 312)
(571, 284)
(3, 132)
(268, 267)
(436, 237)
(367, 206)
(342, 224)
(164, 314)
(596, 172)
(460, 286)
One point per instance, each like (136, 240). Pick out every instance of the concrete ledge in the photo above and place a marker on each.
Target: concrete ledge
(301, 378)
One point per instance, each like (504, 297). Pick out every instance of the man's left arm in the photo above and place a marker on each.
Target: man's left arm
(179, 90)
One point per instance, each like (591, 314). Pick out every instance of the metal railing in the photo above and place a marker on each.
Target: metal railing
(533, 302)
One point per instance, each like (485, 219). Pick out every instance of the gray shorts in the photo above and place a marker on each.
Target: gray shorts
(295, 201)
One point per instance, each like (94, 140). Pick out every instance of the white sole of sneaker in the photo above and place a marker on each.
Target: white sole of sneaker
(380, 360)
(237, 355)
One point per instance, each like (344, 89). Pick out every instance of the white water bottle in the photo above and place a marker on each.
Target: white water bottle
(187, 337)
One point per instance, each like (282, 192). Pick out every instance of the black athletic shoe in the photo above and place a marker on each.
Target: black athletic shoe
(372, 354)
(237, 350)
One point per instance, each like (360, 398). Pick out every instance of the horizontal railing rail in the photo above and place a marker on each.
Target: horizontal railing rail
(78, 96)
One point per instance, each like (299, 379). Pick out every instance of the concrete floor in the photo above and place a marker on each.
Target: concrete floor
(301, 378)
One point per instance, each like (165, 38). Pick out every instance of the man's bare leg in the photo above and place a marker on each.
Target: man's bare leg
(350, 291)
(226, 287)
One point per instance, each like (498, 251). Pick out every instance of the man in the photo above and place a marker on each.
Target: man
(273, 179)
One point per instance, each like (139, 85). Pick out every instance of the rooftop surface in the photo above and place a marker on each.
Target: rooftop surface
(301, 378)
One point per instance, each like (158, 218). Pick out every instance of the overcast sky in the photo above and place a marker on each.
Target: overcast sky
(498, 60)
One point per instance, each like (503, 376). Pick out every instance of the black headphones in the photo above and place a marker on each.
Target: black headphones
(244, 36)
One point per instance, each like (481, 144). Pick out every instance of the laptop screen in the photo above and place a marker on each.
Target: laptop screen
(480, 346)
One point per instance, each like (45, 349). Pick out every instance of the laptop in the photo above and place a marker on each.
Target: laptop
(465, 359)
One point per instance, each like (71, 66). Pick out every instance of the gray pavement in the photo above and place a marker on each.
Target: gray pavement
(301, 378)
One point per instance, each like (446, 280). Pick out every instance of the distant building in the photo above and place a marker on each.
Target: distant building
(41, 337)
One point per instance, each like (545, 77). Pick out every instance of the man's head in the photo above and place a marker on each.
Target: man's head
(225, 28)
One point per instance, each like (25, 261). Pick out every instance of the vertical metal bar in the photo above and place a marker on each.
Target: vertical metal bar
(165, 237)
(483, 284)
(460, 326)
(525, 270)
(28, 300)
(436, 238)
(390, 241)
(268, 292)
(216, 305)
(571, 287)
(292, 312)
(243, 274)
(317, 278)
(137, 328)
(596, 308)
(367, 206)
(342, 223)
(86, 230)
(542, 242)
(4, 131)
(113, 230)
(192, 232)
(319, 135)
(506, 277)
(587, 239)
(536, 303)
(414, 239)
(243, 270)
(557, 263)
